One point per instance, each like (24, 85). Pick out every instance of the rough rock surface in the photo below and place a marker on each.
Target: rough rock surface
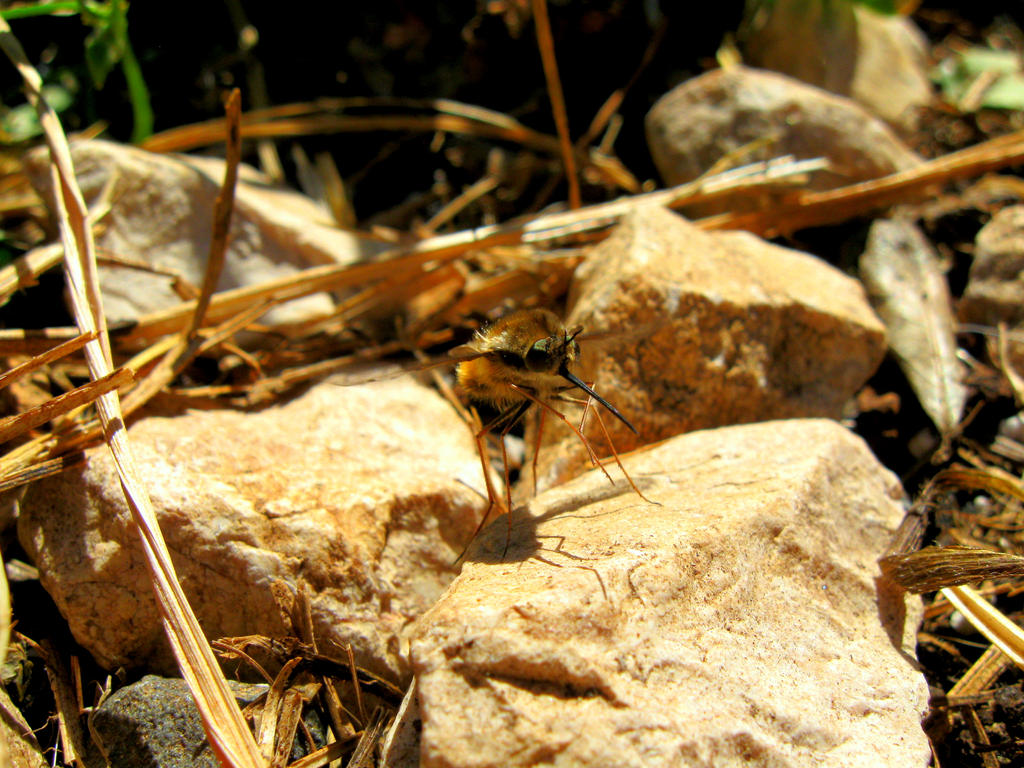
(741, 622)
(161, 213)
(709, 329)
(154, 723)
(995, 286)
(19, 748)
(353, 493)
(757, 115)
(880, 60)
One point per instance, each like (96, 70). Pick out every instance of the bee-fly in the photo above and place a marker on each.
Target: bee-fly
(522, 360)
(517, 362)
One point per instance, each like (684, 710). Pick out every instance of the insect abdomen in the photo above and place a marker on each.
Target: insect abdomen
(485, 380)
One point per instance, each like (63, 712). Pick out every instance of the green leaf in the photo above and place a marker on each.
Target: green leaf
(104, 48)
(975, 61)
(1005, 93)
(887, 7)
(955, 76)
(21, 123)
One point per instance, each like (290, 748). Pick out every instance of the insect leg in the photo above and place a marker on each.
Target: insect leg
(573, 427)
(615, 455)
(536, 447)
(505, 420)
(608, 438)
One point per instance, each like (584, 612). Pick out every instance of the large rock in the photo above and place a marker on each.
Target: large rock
(710, 329)
(746, 114)
(154, 723)
(995, 288)
(880, 60)
(356, 494)
(160, 225)
(738, 622)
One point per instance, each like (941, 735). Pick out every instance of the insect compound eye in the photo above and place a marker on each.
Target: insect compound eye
(538, 357)
(510, 359)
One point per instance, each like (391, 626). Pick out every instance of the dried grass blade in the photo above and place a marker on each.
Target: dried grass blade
(453, 117)
(990, 480)
(362, 757)
(23, 271)
(334, 194)
(5, 632)
(982, 675)
(66, 703)
(978, 734)
(988, 620)
(222, 209)
(832, 206)
(19, 423)
(547, 56)
(934, 568)
(1006, 366)
(230, 738)
(267, 726)
(331, 277)
(323, 756)
(34, 341)
(287, 725)
(452, 209)
(614, 101)
(56, 353)
(41, 469)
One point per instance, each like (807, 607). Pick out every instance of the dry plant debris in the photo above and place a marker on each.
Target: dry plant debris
(435, 286)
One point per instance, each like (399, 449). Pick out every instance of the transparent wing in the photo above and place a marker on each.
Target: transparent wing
(622, 335)
(366, 374)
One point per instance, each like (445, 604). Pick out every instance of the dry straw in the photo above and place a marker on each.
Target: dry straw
(228, 734)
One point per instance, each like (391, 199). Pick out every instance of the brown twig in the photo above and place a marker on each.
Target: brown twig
(230, 738)
(222, 209)
(815, 209)
(55, 353)
(546, 44)
(19, 423)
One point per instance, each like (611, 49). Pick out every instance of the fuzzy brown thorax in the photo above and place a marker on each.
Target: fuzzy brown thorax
(531, 349)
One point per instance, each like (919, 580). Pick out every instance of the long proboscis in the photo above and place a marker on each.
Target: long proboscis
(566, 374)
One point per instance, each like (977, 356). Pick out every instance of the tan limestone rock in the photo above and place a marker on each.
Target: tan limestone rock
(758, 115)
(18, 745)
(880, 60)
(355, 493)
(161, 213)
(741, 622)
(995, 288)
(709, 329)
